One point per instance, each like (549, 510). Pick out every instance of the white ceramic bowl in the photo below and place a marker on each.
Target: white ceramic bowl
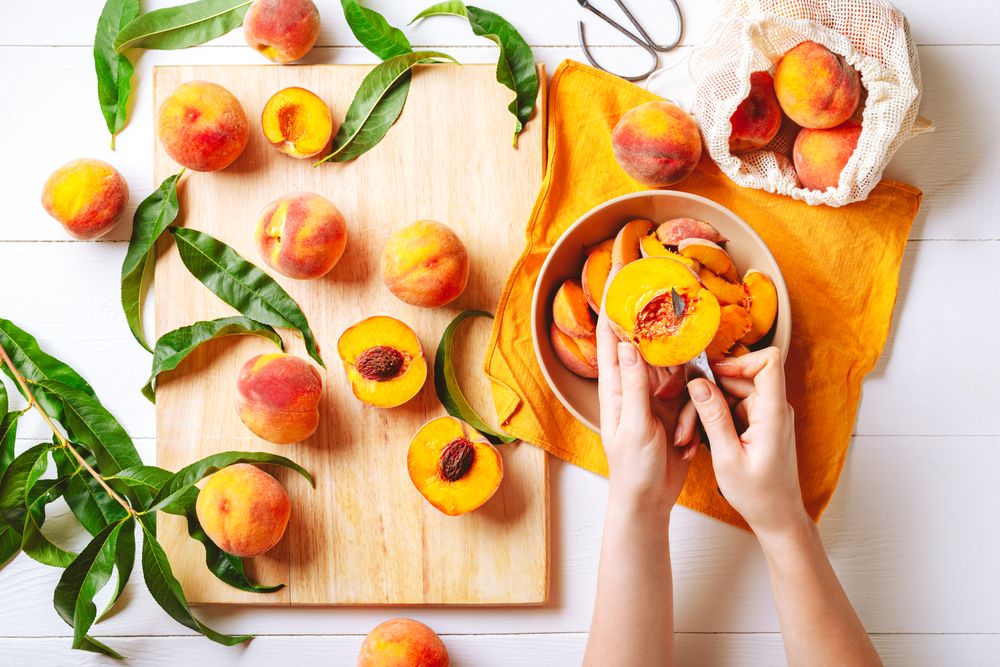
(566, 258)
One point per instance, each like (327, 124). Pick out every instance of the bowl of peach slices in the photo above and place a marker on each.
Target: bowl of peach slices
(694, 278)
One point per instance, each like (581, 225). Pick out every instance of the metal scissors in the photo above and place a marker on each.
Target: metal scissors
(642, 39)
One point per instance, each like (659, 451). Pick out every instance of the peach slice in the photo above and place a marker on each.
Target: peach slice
(650, 246)
(672, 232)
(571, 312)
(712, 257)
(640, 304)
(738, 350)
(297, 122)
(626, 245)
(728, 293)
(453, 466)
(734, 323)
(384, 361)
(595, 273)
(762, 302)
(577, 354)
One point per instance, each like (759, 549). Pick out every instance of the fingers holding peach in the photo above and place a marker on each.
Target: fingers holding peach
(86, 196)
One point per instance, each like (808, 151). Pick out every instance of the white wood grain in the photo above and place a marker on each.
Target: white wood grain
(534, 650)
(543, 23)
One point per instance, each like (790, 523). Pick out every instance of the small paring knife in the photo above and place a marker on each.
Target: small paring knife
(699, 367)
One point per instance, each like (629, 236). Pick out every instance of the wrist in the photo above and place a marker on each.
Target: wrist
(796, 534)
(638, 506)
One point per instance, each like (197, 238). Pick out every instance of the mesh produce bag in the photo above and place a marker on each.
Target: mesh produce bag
(872, 35)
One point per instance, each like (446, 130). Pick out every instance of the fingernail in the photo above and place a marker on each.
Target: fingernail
(627, 354)
(699, 391)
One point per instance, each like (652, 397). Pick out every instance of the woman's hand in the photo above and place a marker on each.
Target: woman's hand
(756, 470)
(639, 406)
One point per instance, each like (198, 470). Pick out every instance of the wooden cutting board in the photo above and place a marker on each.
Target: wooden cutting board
(364, 535)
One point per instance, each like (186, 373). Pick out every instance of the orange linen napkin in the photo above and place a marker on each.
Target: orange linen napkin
(841, 266)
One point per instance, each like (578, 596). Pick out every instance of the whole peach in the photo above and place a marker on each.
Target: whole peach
(403, 642)
(278, 397)
(87, 196)
(425, 264)
(657, 143)
(757, 119)
(820, 155)
(283, 30)
(243, 510)
(202, 126)
(301, 235)
(816, 87)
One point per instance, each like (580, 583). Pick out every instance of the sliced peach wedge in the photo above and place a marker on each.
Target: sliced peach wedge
(626, 245)
(571, 312)
(650, 246)
(728, 293)
(734, 324)
(711, 256)
(577, 354)
(762, 304)
(384, 361)
(643, 301)
(595, 273)
(453, 466)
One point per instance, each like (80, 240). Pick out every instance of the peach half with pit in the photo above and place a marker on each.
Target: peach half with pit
(384, 361)
(453, 466)
(579, 355)
(762, 304)
(403, 642)
(202, 126)
(657, 143)
(659, 305)
(243, 510)
(757, 119)
(86, 196)
(278, 397)
(297, 122)
(425, 264)
(816, 87)
(301, 235)
(282, 30)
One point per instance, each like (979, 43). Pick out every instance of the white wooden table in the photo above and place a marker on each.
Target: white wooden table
(912, 530)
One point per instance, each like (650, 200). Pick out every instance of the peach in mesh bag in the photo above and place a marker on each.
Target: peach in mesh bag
(871, 35)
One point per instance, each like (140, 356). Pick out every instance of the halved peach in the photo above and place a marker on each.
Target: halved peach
(640, 303)
(577, 354)
(453, 466)
(384, 361)
(672, 232)
(762, 303)
(571, 312)
(595, 273)
(626, 245)
(734, 323)
(297, 122)
(728, 293)
(711, 255)
(650, 246)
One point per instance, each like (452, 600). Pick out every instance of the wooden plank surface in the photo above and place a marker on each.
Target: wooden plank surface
(364, 535)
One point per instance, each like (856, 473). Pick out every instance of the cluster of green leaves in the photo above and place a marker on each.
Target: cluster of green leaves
(379, 99)
(122, 27)
(97, 470)
(263, 303)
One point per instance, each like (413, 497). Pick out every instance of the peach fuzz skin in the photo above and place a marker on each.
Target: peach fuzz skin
(657, 143)
(301, 235)
(243, 510)
(278, 397)
(282, 30)
(757, 119)
(425, 264)
(816, 87)
(87, 196)
(820, 155)
(403, 642)
(202, 126)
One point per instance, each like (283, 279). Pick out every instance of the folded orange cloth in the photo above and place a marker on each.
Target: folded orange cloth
(841, 266)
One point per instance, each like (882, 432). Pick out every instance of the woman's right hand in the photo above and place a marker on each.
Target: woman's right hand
(756, 470)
